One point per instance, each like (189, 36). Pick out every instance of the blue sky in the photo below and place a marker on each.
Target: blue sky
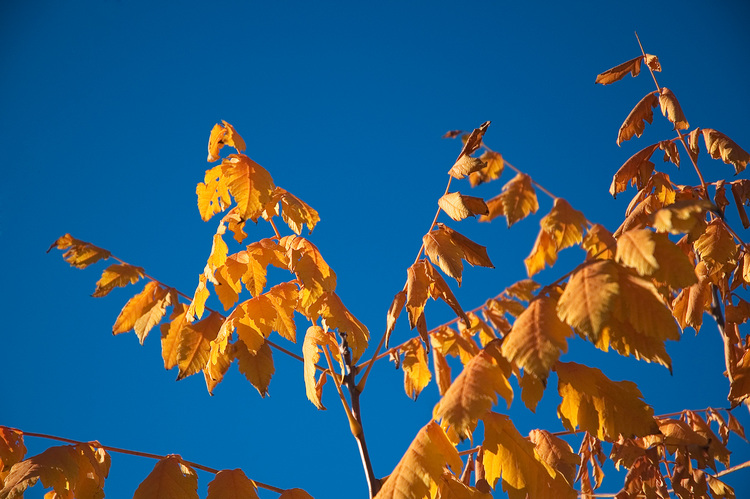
(106, 111)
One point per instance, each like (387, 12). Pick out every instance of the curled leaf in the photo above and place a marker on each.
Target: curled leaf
(633, 124)
(721, 146)
(221, 136)
(671, 109)
(79, 254)
(457, 206)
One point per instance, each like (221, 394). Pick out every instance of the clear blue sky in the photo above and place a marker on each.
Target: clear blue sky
(106, 110)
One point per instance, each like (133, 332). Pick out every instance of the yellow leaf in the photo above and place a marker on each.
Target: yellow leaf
(633, 124)
(633, 66)
(465, 166)
(600, 406)
(721, 146)
(692, 301)
(492, 171)
(458, 206)
(654, 255)
(473, 253)
(556, 452)
(516, 201)
(79, 254)
(315, 340)
(232, 484)
(561, 228)
(636, 171)
(313, 273)
(170, 335)
(719, 489)
(170, 479)
(213, 193)
(256, 366)
(670, 151)
(683, 216)
(587, 302)
(194, 344)
(416, 371)
(12, 448)
(221, 136)
(532, 390)
(218, 364)
(474, 140)
(117, 275)
(295, 494)
(448, 342)
(399, 300)
(475, 391)
(137, 306)
(716, 246)
(442, 371)
(249, 183)
(451, 487)
(336, 316)
(537, 338)
(599, 243)
(446, 248)
(671, 109)
(507, 455)
(421, 466)
(198, 303)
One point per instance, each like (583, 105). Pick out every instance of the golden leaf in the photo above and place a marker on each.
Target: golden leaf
(446, 248)
(636, 170)
(399, 300)
(221, 136)
(633, 124)
(654, 255)
(213, 193)
(336, 316)
(537, 338)
(670, 151)
(561, 228)
(532, 390)
(512, 458)
(12, 448)
(465, 166)
(442, 371)
(633, 66)
(448, 342)
(458, 206)
(138, 306)
(653, 62)
(315, 340)
(683, 216)
(473, 253)
(721, 146)
(492, 171)
(599, 243)
(516, 201)
(719, 489)
(473, 325)
(421, 466)
(218, 365)
(474, 140)
(671, 109)
(451, 487)
(231, 484)
(600, 406)
(170, 478)
(295, 494)
(256, 366)
(716, 246)
(295, 212)
(194, 344)
(117, 275)
(417, 373)
(475, 391)
(198, 303)
(79, 254)
(313, 273)
(689, 305)
(556, 452)
(249, 183)
(170, 335)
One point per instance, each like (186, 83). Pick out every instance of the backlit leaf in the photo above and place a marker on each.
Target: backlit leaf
(600, 406)
(221, 136)
(450, 487)
(633, 66)
(561, 228)
(421, 466)
(509, 456)
(537, 338)
(12, 449)
(213, 193)
(588, 299)
(336, 316)
(194, 344)
(170, 335)
(170, 479)
(721, 146)
(516, 201)
(692, 301)
(295, 494)
(442, 370)
(716, 246)
(465, 166)
(474, 140)
(256, 366)
(458, 206)
(79, 254)
(670, 151)
(636, 171)
(599, 243)
(417, 373)
(634, 123)
(249, 183)
(117, 275)
(315, 340)
(313, 273)
(671, 109)
(232, 484)
(532, 390)
(198, 303)
(681, 216)
(446, 248)
(492, 171)
(295, 212)
(138, 306)
(654, 255)
(475, 391)
(399, 300)
(556, 452)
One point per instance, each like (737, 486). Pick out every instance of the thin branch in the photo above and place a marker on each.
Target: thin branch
(139, 454)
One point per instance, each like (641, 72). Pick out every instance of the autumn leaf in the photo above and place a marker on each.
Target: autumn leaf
(295, 212)
(399, 300)
(636, 171)
(417, 373)
(171, 479)
(336, 316)
(316, 339)
(250, 185)
(117, 275)
(144, 311)
(218, 365)
(681, 216)
(493, 170)
(213, 193)
(671, 109)
(532, 390)
(295, 494)
(670, 151)
(442, 371)
(170, 335)
(221, 136)
(633, 66)
(474, 140)
(449, 342)
(458, 206)
(313, 273)
(633, 124)
(475, 390)
(12, 448)
(721, 146)
(450, 487)
(561, 228)
(446, 248)
(198, 303)
(194, 344)
(516, 201)
(654, 255)
(537, 338)
(692, 301)
(599, 243)
(465, 166)
(421, 465)
(588, 299)
(716, 246)
(256, 366)
(556, 452)
(232, 484)
(79, 254)
(600, 406)
(507, 455)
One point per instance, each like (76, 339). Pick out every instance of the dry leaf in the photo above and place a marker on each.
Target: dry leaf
(170, 478)
(633, 66)
(633, 124)
(636, 171)
(315, 340)
(117, 275)
(416, 370)
(516, 201)
(257, 366)
(458, 206)
(79, 254)
(721, 146)
(671, 109)
(221, 136)
(493, 170)
(232, 484)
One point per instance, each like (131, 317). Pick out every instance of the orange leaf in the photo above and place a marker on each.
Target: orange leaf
(633, 124)
(313, 273)
(721, 146)
(561, 228)
(213, 193)
(232, 484)
(249, 183)
(399, 300)
(446, 248)
(683, 216)
(475, 391)
(654, 255)
(633, 66)
(170, 335)
(421, 466)
(458, 206)
(532, 390)
(516, 201)
(671, 109)
(295, 494)
(256, 366)
(336, 316)
(507, 455)
(138, 306)
(315, 340)
(117, 275)
(171, 479)
(600, 406)
(716, 246)
(599, 243)
(670, 151)
(198, 303)
(194, 344)
(692, 301)
(556, 452)
(442, 371)
(537, 338)
(416, 371)
(12, 448)
(295, 212)
(79, 254)
(465, 166)
(221, 136)
(493, 170)
(474, 140)
(636, 170)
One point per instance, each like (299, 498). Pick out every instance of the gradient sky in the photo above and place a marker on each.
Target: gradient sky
(106, 111)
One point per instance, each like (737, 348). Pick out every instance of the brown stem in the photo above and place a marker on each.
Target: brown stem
(139, 454)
